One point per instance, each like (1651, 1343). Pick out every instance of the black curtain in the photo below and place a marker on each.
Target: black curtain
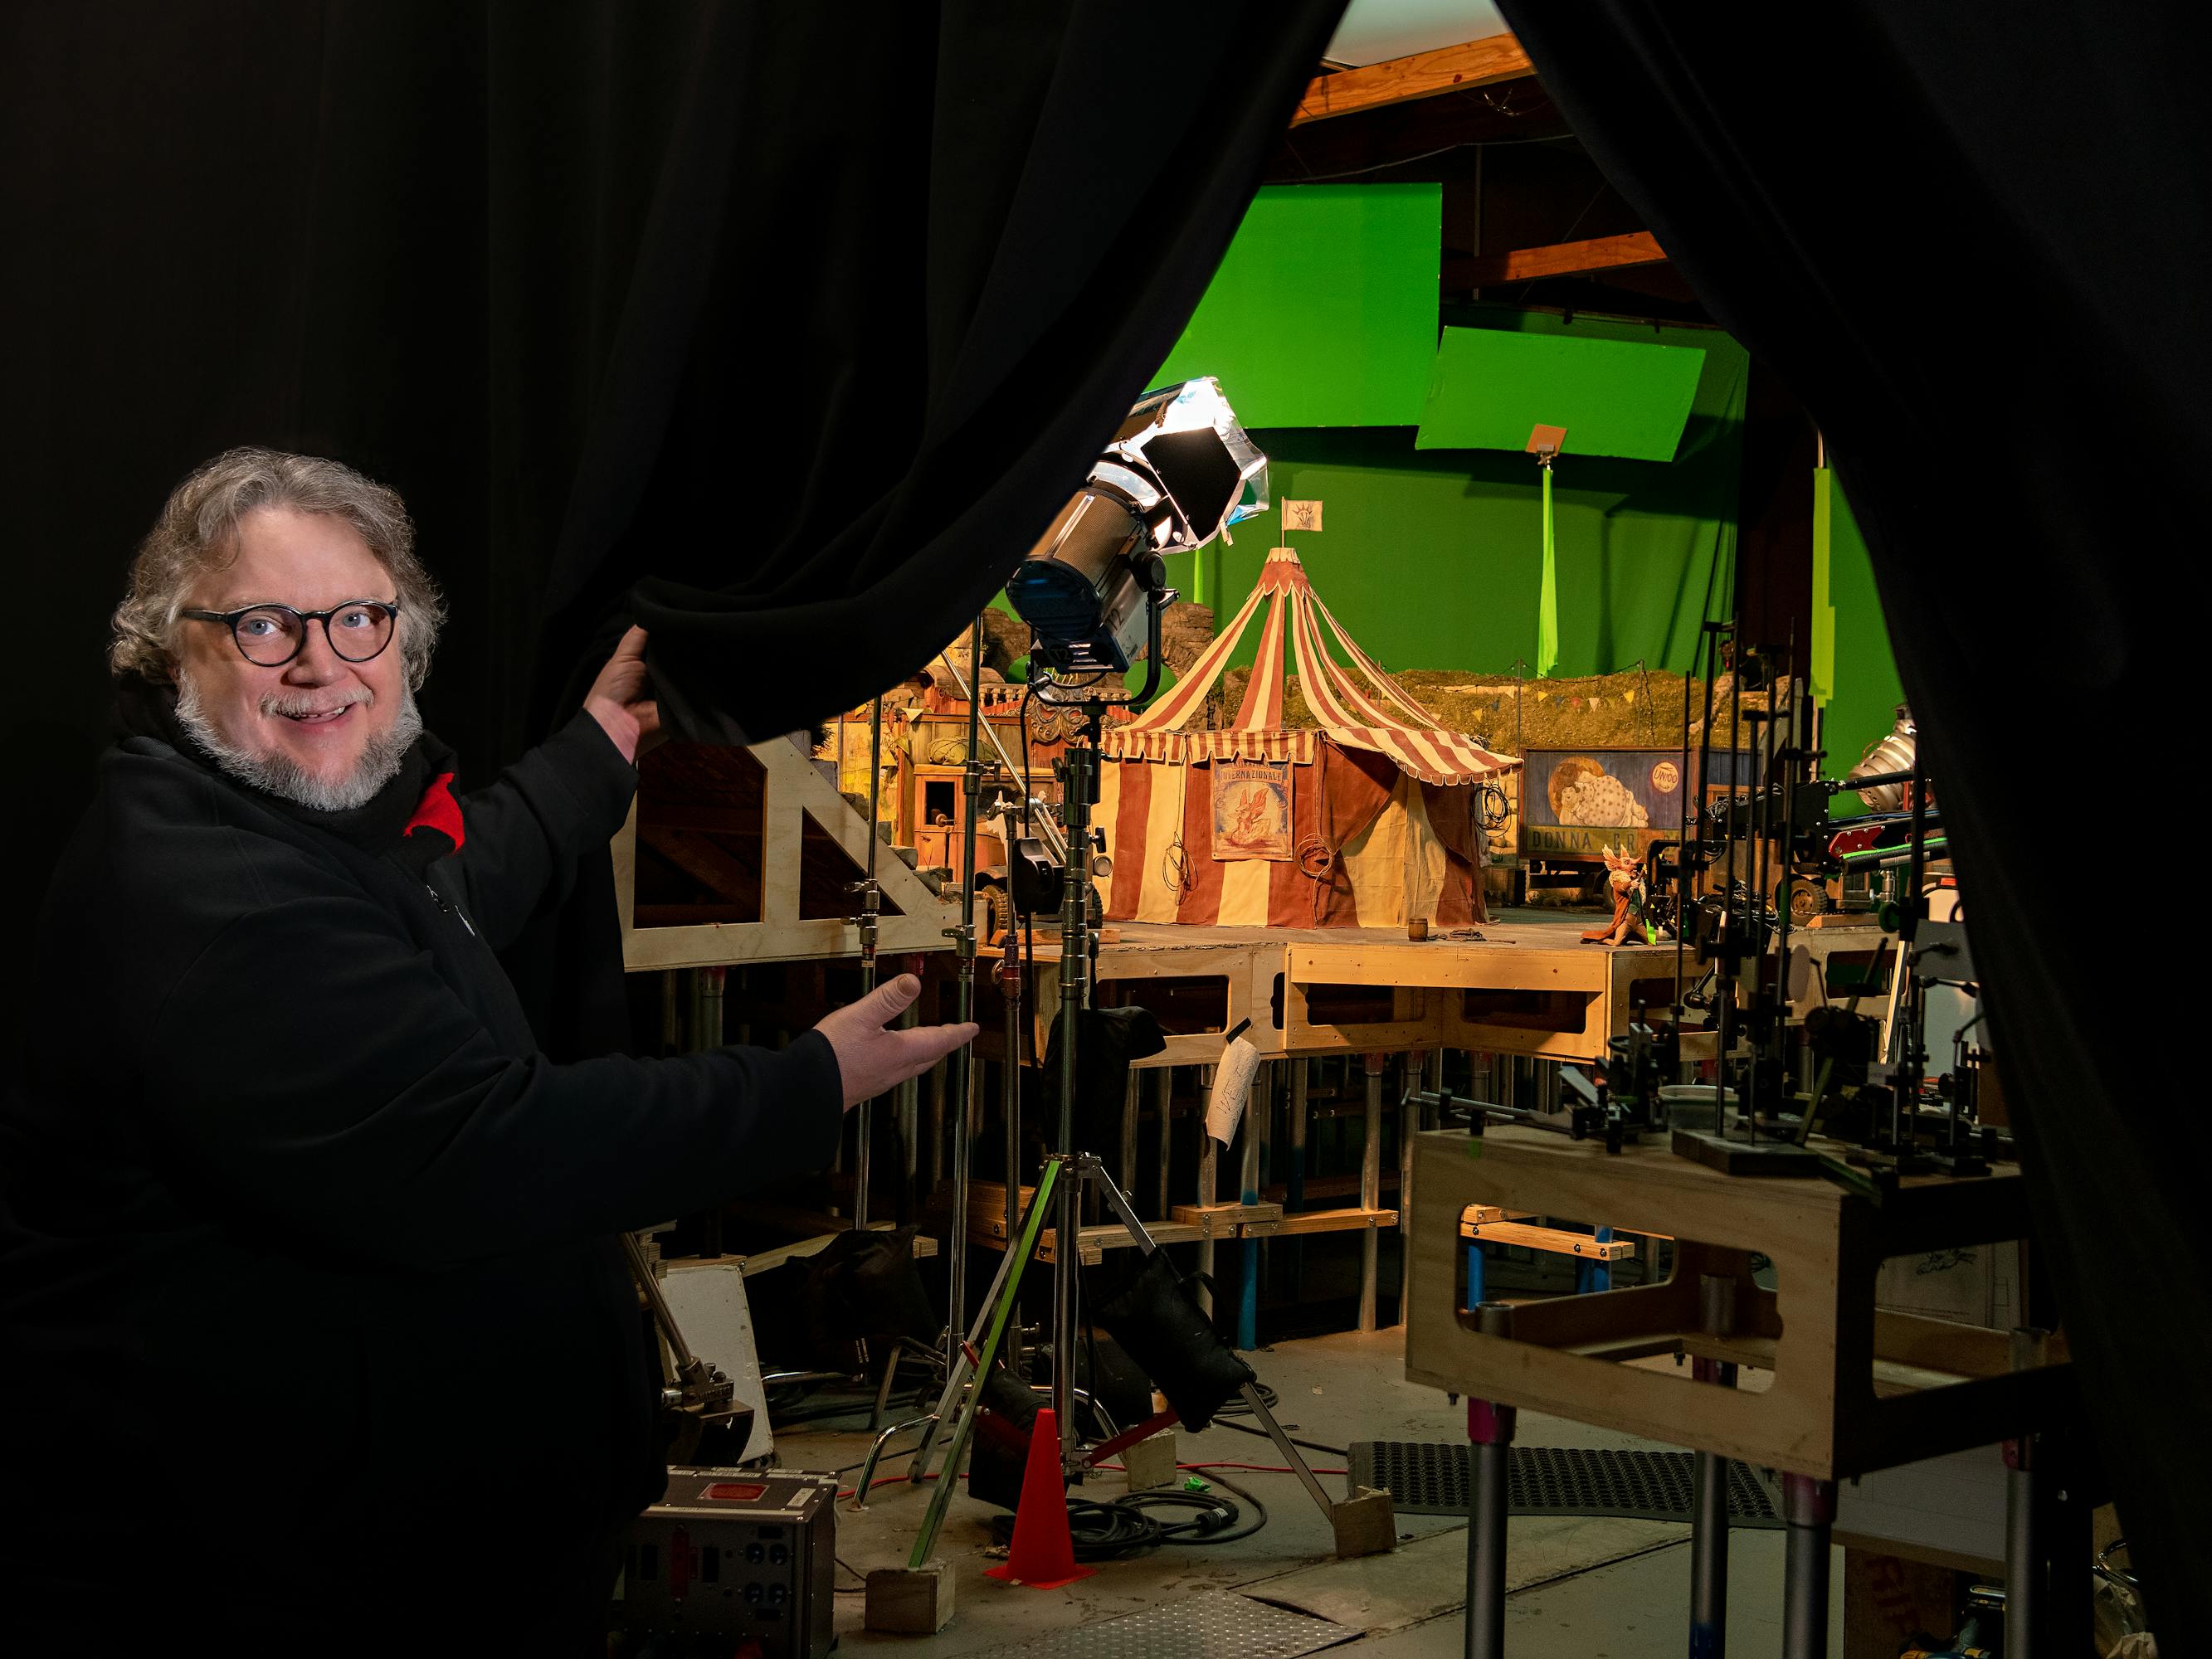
(781, 327)
(1973, 240)
(799, 320)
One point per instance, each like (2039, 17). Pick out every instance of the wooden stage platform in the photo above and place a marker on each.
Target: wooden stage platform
(1527, 985)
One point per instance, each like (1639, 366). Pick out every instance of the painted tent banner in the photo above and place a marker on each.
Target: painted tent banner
(1252, 809)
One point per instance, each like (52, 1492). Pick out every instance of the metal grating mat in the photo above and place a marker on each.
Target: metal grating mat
(1213, 1624)
(1430, 1478)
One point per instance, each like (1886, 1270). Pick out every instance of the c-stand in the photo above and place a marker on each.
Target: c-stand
(1359, 1521)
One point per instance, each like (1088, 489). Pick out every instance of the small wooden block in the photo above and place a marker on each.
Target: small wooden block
(1365, 1524)
(1556, 1240)
(1222, 1220)
(1150, 1463)
(910, 1601)
(1322, 1221)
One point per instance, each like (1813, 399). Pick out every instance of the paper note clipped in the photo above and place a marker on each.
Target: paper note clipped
(1232, 1081)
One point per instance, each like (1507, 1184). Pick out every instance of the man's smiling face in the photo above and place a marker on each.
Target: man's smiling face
(319, 729)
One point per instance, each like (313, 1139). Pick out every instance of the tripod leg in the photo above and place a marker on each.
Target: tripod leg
(940, 1495)
(1288, 1449)
(958, 1372)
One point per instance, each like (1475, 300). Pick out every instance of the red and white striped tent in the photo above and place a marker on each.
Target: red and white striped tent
(1368, 819)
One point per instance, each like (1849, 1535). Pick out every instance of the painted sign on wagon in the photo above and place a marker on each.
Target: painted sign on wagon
(1576, 803)
(1252, 809)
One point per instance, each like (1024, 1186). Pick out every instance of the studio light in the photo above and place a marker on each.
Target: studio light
(1176, 473)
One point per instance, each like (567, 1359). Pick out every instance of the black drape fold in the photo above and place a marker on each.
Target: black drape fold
(1971, 237)
(800, 320)
(784, 327)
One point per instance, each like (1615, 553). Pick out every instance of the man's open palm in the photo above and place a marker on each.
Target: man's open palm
(872, 1058)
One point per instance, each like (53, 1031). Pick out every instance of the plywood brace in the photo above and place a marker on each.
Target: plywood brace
(914, 917)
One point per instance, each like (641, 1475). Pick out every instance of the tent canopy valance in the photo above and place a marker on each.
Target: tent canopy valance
(1358, 706)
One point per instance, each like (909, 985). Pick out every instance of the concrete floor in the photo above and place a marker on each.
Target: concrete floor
(1595, 1588)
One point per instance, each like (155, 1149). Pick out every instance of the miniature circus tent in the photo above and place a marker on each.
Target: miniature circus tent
(1368, 818)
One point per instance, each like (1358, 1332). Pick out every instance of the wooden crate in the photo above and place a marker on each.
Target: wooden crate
(1854, 1389)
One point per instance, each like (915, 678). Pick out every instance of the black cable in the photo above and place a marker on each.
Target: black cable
(1122, 1528)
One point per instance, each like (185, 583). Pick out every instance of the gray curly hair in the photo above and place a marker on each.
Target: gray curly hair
(197, 530)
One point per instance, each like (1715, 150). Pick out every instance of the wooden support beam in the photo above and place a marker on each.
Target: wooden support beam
(1637, 247)
(1422, 74)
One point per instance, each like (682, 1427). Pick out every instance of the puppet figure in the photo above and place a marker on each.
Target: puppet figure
(1624, 873)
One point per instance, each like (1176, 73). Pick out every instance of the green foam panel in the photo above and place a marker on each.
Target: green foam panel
(1489, 387)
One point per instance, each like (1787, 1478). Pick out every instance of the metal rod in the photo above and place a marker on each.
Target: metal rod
(1409, 1118)
(957, 1373)
(2024, 1530)
(1809, 1508)
(1040, 822)
(1010, 1079)
(1130, 1103)
(1370, 1192)
(907, 1120)
(870, 906)
(1490, 1451)
(876, 1454)
(1257, 1094)
(964, 943)
(1164, 1107)
(1286, 1447)
(1708, 1485)
(1208, 1179)
(935, 1132)
(941, 1497)
(641, 1271)
(1078, 778)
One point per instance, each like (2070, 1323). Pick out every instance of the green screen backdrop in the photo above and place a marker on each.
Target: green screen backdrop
(1854, 673)
(1431, 558)
(1323, 312)
(1491, 386)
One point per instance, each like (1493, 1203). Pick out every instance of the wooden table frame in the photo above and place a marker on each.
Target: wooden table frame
(1428, 984)
(1854, 1388)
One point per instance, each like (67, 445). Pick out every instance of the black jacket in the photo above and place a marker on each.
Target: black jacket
(313, 1307)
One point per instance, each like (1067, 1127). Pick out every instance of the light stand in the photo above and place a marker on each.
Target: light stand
(1079, 792)
(870, 894)
(963, 935)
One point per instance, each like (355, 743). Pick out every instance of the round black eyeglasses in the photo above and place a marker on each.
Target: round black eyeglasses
(271, 636)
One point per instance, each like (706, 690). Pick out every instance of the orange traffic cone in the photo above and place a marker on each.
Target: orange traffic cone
(1043, 1554)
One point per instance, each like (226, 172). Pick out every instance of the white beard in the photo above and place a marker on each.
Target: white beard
(281, 776)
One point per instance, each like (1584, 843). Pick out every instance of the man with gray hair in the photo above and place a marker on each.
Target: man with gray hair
(308, 1254)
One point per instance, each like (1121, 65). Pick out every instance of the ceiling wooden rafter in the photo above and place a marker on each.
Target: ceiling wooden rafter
(1422, 74)
(1637, 247)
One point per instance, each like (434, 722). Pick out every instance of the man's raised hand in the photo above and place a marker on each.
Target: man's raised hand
(621, 699)
(872, 1058)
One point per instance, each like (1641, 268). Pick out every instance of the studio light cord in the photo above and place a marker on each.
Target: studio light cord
(1127, 1526)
